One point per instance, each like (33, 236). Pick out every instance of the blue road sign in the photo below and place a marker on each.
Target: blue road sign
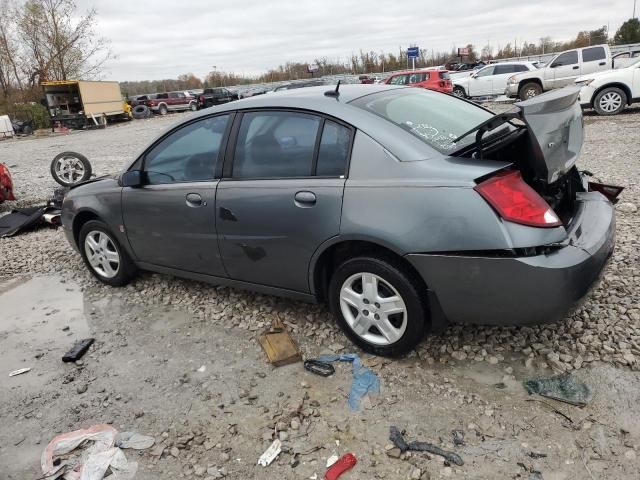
(413, 52)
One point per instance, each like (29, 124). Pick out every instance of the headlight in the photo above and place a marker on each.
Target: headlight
(512, 80)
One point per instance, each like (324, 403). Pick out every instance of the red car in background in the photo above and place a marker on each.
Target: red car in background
(437, 80)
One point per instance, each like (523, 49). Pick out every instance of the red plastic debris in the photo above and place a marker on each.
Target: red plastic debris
(346, 462)
(6, 185)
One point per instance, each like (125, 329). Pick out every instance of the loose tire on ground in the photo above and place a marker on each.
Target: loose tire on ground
(610, 101)
(530, 90)
(70, 168)
(103, 256)
(370, 322)
(141, 111)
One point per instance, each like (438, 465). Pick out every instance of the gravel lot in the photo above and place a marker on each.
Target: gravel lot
(154, 334)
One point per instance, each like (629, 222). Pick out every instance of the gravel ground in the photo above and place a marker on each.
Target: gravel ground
(461, 365)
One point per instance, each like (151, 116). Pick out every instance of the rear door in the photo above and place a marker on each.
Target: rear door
(170, 220)
(281, 195)
(565, 68)
(594, 59)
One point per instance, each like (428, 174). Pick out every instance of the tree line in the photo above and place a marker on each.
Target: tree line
(44, 40)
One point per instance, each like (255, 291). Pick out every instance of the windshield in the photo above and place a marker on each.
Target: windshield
(436, 119)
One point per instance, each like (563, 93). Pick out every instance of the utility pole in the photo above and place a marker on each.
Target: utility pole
(634, 9)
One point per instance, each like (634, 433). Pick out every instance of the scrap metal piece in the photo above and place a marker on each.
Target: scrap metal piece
(270, 453)
(19, 371)
(323, 369)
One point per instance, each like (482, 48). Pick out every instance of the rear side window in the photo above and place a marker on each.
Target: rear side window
(334, 150)
(399, 80)
(444, 75)
(162, 95)
(188, 154)
(486, 72)
(520, 68)
(418, 77)
(593, 54)
(275, 145)
(567, 58)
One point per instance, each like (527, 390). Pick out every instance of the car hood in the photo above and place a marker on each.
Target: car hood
(555, 122)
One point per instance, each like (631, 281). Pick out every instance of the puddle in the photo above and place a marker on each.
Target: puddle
(34, 312)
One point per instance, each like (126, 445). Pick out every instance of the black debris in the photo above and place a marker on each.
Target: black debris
(564, 388)
(78, 350)
(398, 440)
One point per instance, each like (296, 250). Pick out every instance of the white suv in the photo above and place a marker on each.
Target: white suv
(609, 92)
(489, 80)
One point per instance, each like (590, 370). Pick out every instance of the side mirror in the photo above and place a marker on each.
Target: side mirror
(132, 179)
(474, 75)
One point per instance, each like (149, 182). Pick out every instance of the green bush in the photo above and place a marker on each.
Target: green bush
(36, 111)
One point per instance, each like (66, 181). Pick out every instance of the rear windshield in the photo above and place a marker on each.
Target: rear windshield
(435, 118)
(445, 75)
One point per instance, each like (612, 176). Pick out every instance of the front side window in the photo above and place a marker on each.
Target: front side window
(566, 58)
(435, 119)
(275, 145)
(593, 54)
(188, 154)
(485, 72)
(502, 69)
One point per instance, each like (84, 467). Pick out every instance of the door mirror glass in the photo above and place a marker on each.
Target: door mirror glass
(132, 178)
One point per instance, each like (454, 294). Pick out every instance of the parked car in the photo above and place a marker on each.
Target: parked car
(251, 92)
(164, 103)
(216, 96)
(489, 80)
(437, 80)
(383, 202)
(608, 93)
(141, 99)
(366, 79)
(299, 84)
(624, 59)
(561, 71)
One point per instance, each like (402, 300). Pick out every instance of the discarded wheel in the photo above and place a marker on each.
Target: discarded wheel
(141, 111)
(70, 168)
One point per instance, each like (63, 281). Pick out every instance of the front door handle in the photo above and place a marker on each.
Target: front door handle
(602, 63)
(576, 67)
(195, 200)
(305, 199)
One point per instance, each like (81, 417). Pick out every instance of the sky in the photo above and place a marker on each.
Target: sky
(165, 38)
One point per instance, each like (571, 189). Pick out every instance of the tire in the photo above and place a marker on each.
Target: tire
(529, 90)
(610, 101)
(459, 92)
(141, 111)
(27, 130)
(163, 110)
(403, 330)
(193, 106)
(117, 272)
(70, 168)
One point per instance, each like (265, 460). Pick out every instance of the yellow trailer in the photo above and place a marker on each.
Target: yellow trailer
(81, 103)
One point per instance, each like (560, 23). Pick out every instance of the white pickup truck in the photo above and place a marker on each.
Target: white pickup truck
(562, 70)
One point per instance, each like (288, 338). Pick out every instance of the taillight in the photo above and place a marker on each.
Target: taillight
(442, 83)
(516, 201)
(201, 99)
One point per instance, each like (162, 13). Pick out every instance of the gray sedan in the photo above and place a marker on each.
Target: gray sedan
(400, 208)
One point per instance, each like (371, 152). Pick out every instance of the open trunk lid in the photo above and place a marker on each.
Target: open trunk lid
(554, 120)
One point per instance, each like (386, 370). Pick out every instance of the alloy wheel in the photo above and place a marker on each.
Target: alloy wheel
(373, 308)
(102, 254)
(610, 102)
(69, 169)
(531, 92)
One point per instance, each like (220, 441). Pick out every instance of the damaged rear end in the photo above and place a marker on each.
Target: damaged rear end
(564, 232)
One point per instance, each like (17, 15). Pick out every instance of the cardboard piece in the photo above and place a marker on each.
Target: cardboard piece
(278, 345)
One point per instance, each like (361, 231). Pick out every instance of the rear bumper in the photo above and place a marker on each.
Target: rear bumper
(524, 290)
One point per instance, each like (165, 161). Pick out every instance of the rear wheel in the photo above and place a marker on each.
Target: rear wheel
(163, 110)
(103, 255)
(610, 101)
(459, 92)
(193, 107)
(530, 90)
(379, 305)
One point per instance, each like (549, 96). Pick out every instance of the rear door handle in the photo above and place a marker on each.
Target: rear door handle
(195, 200)
(305, 199)
(576, 67)
(602, 63)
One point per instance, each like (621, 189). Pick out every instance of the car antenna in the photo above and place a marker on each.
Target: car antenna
(334, 93)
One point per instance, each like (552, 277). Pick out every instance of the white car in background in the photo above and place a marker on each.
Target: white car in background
(608, 93)
(489, 80)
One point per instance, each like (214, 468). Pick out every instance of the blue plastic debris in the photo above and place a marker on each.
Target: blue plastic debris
(364, 379)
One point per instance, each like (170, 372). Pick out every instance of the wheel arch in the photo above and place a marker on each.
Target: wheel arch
(331, 253)
(522, 83)
(79, 219)
(622, 86)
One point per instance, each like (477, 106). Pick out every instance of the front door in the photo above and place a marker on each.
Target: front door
(170, 220)
(281, 197)
(480, 82)
(565, 68)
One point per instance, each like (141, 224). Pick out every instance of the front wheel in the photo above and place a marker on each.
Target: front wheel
(530, 90)
(610, 101)
(459, 92)
(103, 255)
(379, 305)
(193, 107)
(163, 110)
